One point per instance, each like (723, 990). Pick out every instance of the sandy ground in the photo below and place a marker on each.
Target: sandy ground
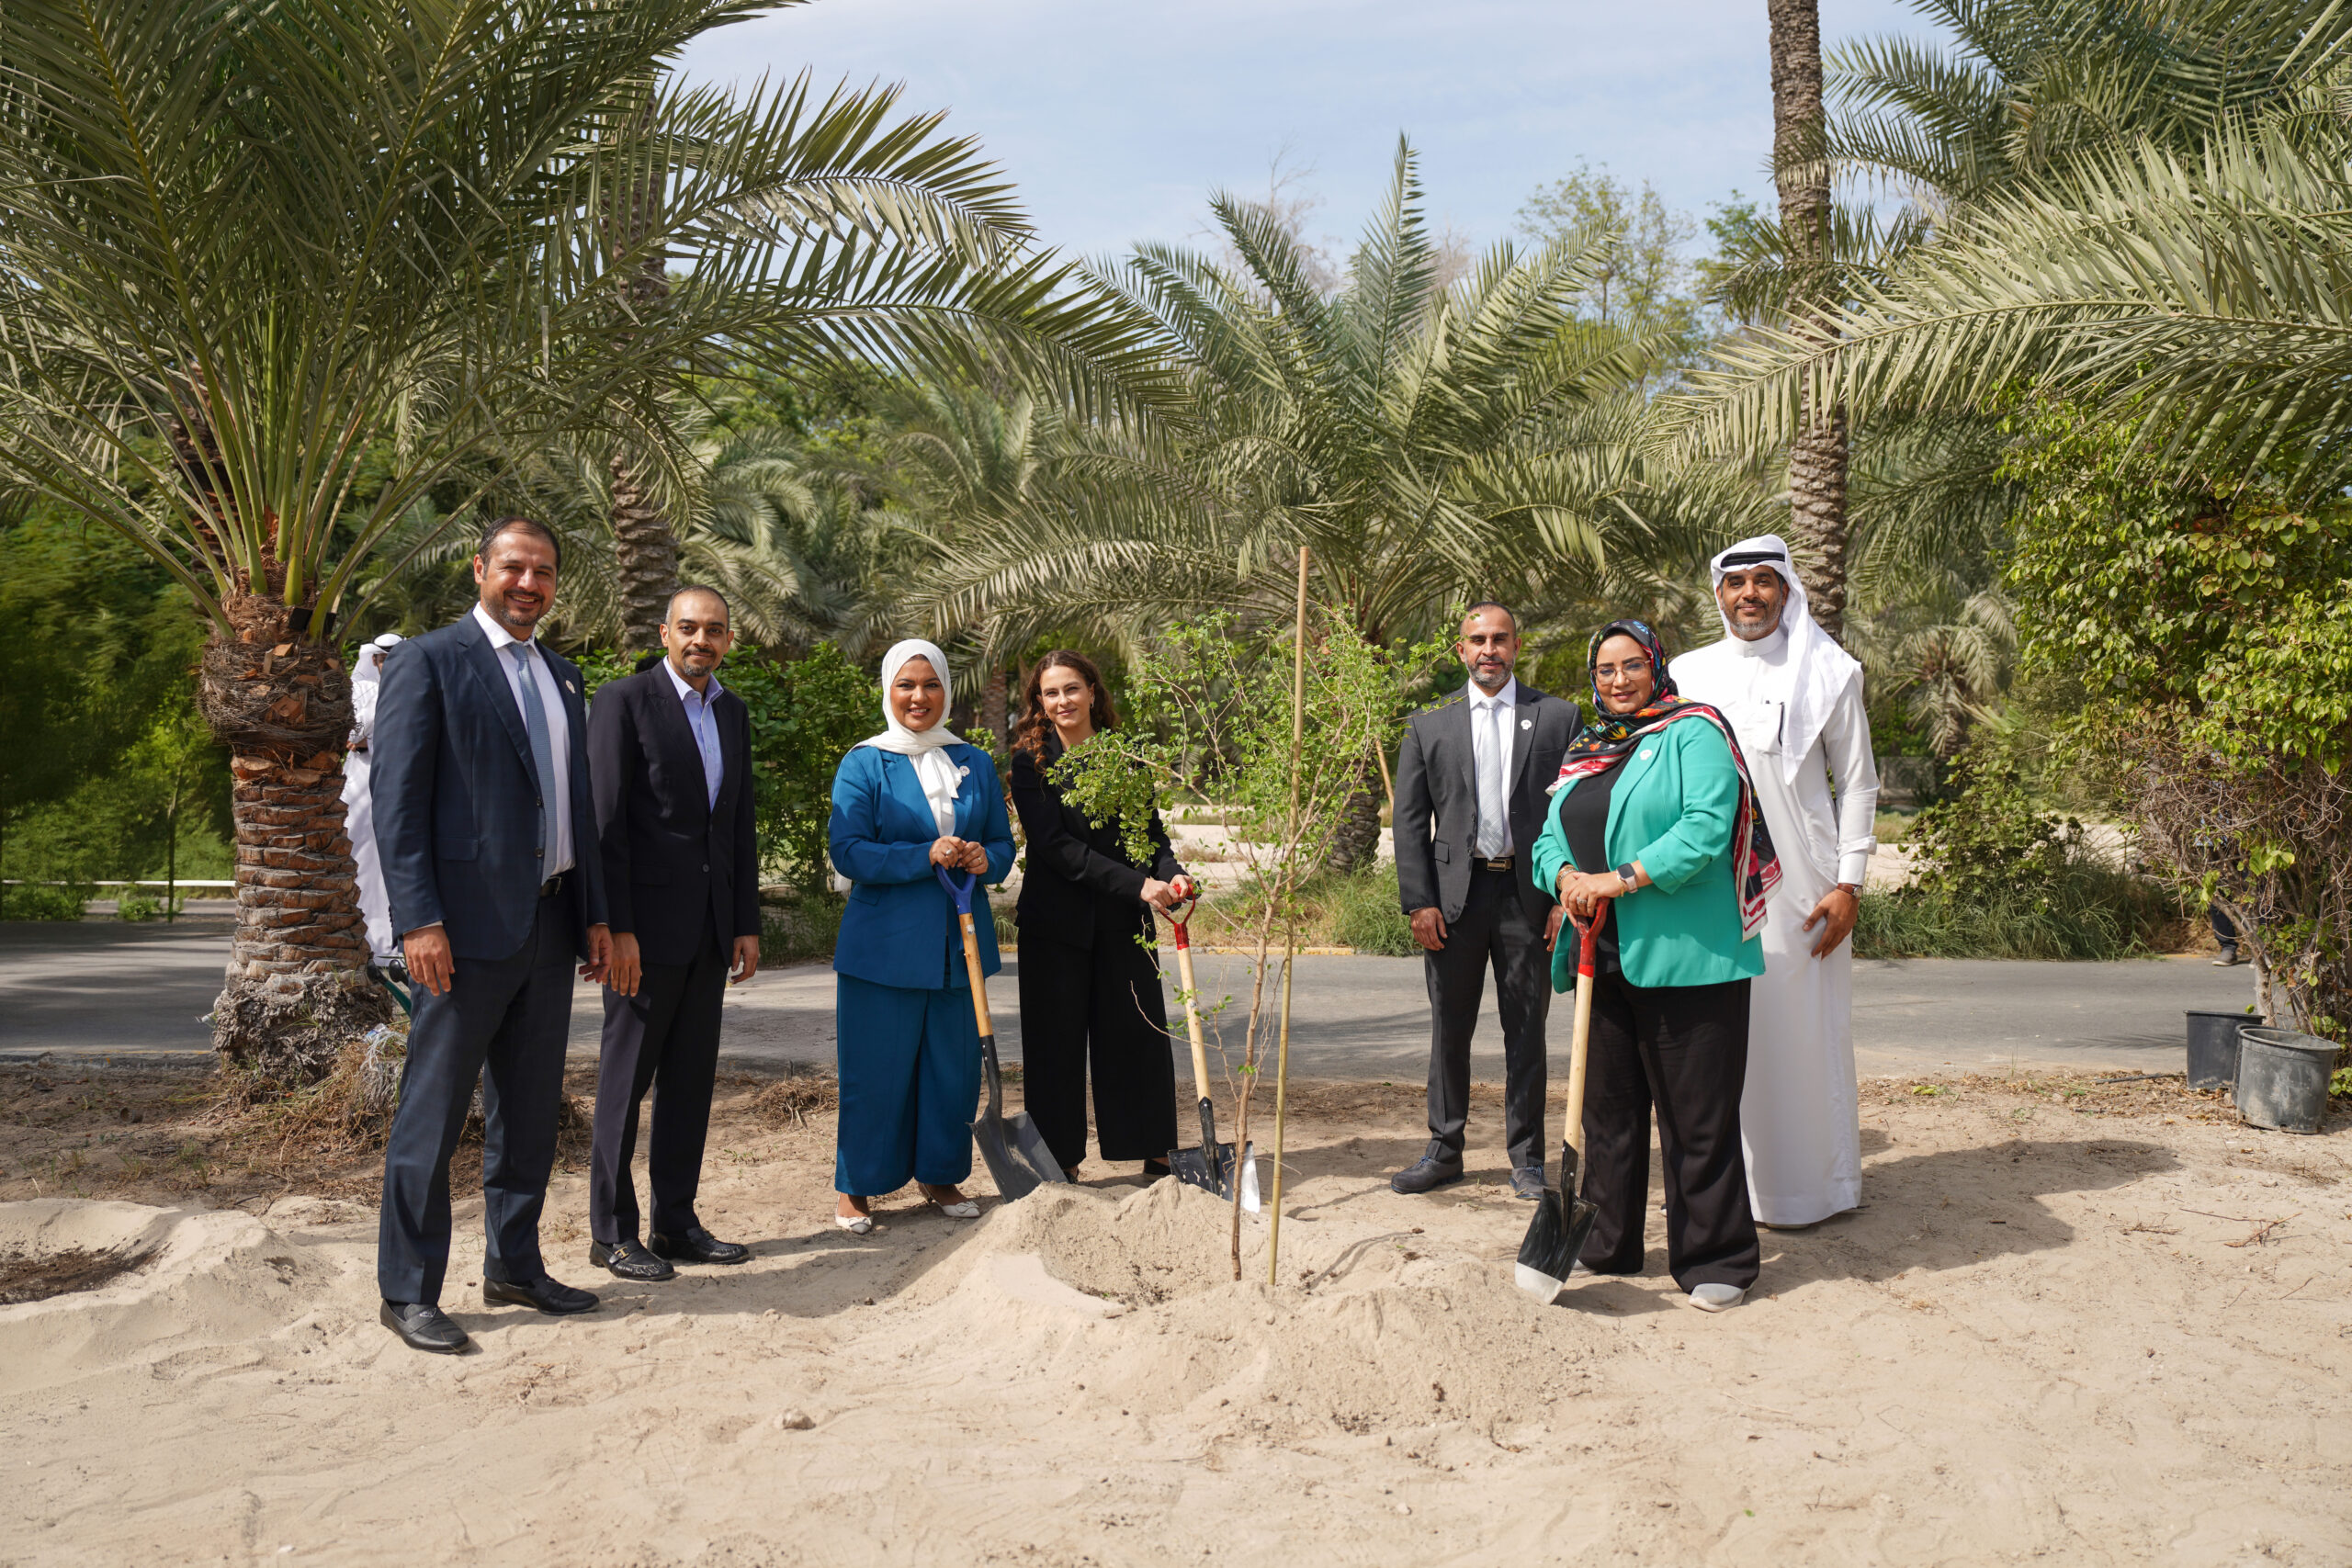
(2064, 1327)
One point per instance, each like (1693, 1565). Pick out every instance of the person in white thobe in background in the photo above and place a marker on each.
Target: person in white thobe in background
(358, 811)
(1796, 699)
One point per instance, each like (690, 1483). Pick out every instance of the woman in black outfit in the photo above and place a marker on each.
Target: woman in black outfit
(1090, 988)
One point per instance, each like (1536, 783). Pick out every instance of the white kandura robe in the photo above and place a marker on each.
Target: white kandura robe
(1799, 1117)
(359, 824)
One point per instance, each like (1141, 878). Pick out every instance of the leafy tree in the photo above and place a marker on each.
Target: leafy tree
(2206, 620)
(250, 246)
(1213, 721)
(98, 653)
(1642, 282)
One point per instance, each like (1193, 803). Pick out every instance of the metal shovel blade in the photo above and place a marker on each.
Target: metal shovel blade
(1011, 1147)
(1556, 1236)
(1214, 1173)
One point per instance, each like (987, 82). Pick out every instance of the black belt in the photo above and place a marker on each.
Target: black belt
(553, 885)
(1501, 863)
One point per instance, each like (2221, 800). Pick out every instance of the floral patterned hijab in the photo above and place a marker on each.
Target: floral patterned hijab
(1603, 743)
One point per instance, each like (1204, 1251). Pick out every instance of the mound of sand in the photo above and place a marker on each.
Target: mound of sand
(2030, 1344)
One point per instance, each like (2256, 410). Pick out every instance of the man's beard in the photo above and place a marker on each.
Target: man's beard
(1754, 630)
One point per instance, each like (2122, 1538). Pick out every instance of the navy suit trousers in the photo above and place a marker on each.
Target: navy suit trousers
(502, 1021)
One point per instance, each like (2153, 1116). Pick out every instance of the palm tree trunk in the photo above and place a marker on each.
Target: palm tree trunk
(1356, 844)
(645, 559)
(645, 547)
(1817, 454)
(297, 990)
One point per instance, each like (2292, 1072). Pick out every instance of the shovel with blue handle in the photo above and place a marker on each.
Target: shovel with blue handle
(1011, 1147)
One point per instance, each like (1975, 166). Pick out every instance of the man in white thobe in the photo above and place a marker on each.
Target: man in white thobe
(358, 803)
(1795, 698)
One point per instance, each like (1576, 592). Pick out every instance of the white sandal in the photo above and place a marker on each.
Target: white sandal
(965, 1210)
(856, 1224)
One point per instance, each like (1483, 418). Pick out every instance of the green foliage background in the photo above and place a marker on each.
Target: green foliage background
(96, 708)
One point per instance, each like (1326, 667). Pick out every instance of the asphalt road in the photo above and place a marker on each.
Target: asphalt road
(101, 988)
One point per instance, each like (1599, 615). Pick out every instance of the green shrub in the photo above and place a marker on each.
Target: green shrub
(1366, 914)
(2087, 911)
(39, 901)
(2001, 879)
(802, 929)
(136, 905)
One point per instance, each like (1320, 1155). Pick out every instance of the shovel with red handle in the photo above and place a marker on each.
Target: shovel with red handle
(1563, 1220)
(1212, 1166)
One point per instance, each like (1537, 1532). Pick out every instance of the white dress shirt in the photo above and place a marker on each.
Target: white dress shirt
(559, 857)
(1491, 734)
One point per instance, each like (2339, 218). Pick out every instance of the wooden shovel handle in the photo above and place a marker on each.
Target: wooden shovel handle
(1191, 1013)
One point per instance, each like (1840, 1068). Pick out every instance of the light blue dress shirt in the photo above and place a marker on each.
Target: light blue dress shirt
(704, 723)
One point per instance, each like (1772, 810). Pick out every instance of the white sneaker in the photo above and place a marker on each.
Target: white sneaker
(1717, 1298)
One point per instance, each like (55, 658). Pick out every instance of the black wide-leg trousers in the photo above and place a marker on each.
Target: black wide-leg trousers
(1681, 1052)
(1097, 1006)
(502, 1021)
(1493, 931)
(664, 1038)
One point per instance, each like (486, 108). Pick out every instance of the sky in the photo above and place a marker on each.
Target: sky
(1116, 119)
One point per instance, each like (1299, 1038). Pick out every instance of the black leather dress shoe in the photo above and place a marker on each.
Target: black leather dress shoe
(698, 1245)
(423, 1326)
(1526, 1181)
(630, 1260)
(547, 1295)
(1427, 1173)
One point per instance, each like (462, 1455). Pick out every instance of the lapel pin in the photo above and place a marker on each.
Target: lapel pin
(573, 689)
(1527, 724)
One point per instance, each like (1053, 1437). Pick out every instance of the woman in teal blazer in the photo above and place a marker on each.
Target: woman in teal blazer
(1654, 828)
(908, 1047)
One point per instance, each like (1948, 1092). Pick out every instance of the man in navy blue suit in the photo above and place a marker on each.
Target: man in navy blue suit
(486, 829)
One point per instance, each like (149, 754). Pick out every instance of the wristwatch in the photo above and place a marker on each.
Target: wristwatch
(1625, 872)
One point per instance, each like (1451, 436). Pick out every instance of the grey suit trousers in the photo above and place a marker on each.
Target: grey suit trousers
(1493, 931)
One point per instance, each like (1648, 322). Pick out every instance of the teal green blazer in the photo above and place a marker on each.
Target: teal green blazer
(1672, 809)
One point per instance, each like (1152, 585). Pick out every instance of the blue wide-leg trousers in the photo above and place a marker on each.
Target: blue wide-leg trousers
(909, 1064)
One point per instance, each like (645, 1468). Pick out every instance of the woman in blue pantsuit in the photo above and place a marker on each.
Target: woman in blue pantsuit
(911, 799)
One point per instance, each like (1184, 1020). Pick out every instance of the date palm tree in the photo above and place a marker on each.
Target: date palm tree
(1427, 443)
(247, 250)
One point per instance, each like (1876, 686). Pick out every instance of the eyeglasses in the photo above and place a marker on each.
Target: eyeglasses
(1632, 670)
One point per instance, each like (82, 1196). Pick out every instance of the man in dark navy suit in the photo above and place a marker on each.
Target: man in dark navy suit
(671, 750)
(485, 827)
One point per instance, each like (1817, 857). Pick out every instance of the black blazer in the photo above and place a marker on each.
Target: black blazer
(670, 856)
(457, 797)
(1436, 799)
(1077, 878)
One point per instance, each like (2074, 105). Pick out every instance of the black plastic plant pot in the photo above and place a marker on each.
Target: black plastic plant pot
(2282, 1078)
(2213, 1047)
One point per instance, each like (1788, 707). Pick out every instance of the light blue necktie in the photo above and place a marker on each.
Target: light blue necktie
(535, 719)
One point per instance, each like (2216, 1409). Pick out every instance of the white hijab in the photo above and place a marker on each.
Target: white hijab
(940, 777)
(1818, 669)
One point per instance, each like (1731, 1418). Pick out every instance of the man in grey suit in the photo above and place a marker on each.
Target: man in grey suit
(1471, 789)
(487, 832)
